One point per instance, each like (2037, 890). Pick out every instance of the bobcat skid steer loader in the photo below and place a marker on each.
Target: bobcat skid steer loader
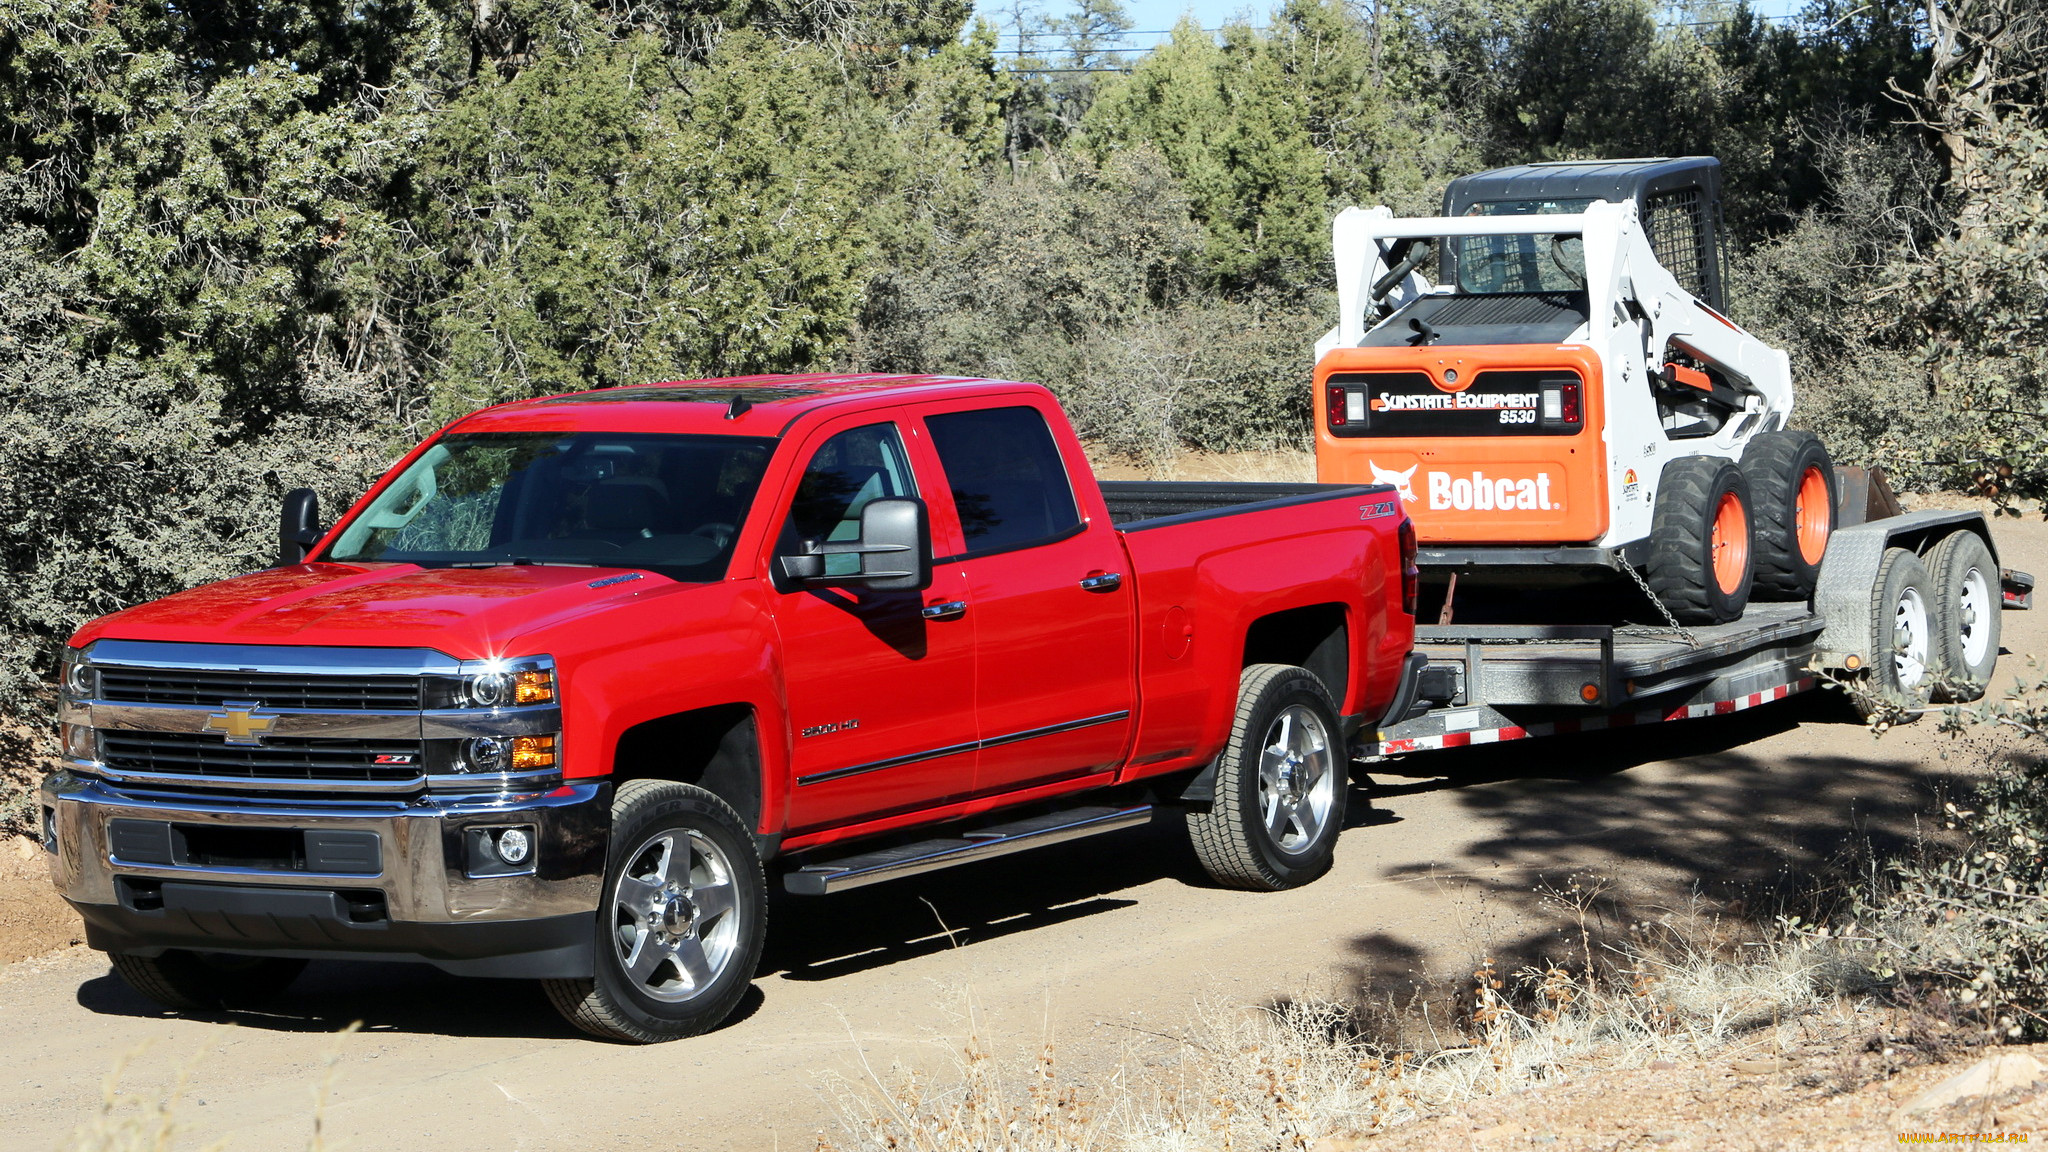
(1568, 404)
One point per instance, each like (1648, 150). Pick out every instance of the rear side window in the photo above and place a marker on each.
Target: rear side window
(1009, 484)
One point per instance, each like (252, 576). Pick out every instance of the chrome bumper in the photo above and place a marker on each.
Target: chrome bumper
(422, 864)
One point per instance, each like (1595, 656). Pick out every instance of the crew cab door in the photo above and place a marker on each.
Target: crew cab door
(1046, 588)
(880, 695)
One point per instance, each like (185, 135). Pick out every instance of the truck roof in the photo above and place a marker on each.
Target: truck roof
(772, 402)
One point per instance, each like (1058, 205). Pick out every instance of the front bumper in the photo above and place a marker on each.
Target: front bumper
(408, 887)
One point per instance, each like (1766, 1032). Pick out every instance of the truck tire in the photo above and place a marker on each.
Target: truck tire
(1966, 607)
(1903, 644)
(205, 981)
(1701, 541)
(1280, 785)
(681, 921)
(1792, 488)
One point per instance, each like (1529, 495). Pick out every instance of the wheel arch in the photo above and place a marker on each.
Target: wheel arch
(716, 748)
(1314, 636)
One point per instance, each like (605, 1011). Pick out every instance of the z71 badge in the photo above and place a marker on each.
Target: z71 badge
(1375, 511)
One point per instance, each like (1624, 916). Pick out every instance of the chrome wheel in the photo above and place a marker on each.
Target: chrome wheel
(1910, 636)
(1297, 779)
(675, 916)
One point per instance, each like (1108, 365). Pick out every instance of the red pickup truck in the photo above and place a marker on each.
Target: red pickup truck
(563, 690)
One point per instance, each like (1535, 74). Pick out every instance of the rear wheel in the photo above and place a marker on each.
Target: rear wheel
(1902, 635)
(1700, 541)
(1280, 785)
(1792, 487)
(204, 981)
(1965, 583)
(684, 915)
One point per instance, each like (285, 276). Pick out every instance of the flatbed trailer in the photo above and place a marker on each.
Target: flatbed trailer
(1496, 682)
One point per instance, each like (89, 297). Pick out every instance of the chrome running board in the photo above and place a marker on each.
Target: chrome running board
(978, 844)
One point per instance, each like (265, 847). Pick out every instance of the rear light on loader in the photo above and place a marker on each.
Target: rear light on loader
(1411, 574)
(1347, 407)
(1559, 404)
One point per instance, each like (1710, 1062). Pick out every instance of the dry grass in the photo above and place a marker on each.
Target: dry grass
(130, 1121)
(1290, 1074)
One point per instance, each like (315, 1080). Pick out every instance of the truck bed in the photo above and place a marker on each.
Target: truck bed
(1135, 505)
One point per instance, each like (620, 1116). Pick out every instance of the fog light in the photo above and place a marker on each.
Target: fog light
(50, 829)
(514, 845)
(486, 754)
(533, 752)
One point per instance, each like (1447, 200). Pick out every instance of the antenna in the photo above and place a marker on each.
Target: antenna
(738, 407)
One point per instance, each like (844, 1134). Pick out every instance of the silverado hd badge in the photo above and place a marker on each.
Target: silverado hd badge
(241, 723)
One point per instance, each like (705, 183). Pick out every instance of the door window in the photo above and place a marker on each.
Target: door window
(1009, 485)
(849, 470)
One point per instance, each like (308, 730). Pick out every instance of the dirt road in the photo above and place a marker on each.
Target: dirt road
(1081, 943)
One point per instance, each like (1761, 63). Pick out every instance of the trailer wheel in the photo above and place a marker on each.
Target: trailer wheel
(680, 927)
(1700, 541)
(1792, 482)
(1967, 605)
(1903, 645)
(204, 981)
(1280, 785)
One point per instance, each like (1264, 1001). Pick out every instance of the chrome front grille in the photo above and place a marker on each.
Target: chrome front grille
(267, 689)
(153, 754)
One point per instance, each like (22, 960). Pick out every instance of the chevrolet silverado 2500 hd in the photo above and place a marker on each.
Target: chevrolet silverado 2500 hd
(564, 690)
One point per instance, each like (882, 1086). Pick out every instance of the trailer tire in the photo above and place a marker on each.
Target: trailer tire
(1792, 487)
(1285, 764)
(1701, 540)
(1904, 616)
(677, 939)
(205, 981)
(1967, 606)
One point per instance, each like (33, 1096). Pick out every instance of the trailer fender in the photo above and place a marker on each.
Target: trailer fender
(1849, 570)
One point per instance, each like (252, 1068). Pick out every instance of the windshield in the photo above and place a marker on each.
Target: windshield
(1491, 265)
(667, 503)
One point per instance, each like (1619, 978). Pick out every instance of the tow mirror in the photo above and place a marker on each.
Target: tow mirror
(895, 550)
(298, 528)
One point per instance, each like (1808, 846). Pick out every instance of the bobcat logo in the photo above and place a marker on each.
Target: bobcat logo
(1400, 480)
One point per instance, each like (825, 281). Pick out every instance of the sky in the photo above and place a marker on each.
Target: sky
(1152, 19)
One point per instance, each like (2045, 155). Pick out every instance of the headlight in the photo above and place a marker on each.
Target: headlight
(76, 676)
(496, 684)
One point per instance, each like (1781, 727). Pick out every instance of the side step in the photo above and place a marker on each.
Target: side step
(979, 844)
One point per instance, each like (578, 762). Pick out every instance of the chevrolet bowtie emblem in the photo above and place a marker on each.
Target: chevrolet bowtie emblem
(240, 723)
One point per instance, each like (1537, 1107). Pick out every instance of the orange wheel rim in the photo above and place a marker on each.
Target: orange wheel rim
(1812, 517)
(1730, 543)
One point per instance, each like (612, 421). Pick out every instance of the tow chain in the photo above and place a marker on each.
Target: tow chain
(1684, 633)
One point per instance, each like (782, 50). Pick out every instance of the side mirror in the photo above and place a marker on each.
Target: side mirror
(895, 550)
(298, 528)
(896, 545)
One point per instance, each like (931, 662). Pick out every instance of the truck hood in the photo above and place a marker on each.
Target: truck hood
(468, 613)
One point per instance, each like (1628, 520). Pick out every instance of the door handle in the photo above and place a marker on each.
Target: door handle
(1103, 582)
(950, 610)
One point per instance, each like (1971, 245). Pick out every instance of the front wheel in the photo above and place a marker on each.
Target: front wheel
(1903, 644)
(1279, 802)
(204, 981)
(684, 915)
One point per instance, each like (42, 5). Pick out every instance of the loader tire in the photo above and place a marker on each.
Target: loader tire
(1792, 486)
(1280, 785)
(1701, 541)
